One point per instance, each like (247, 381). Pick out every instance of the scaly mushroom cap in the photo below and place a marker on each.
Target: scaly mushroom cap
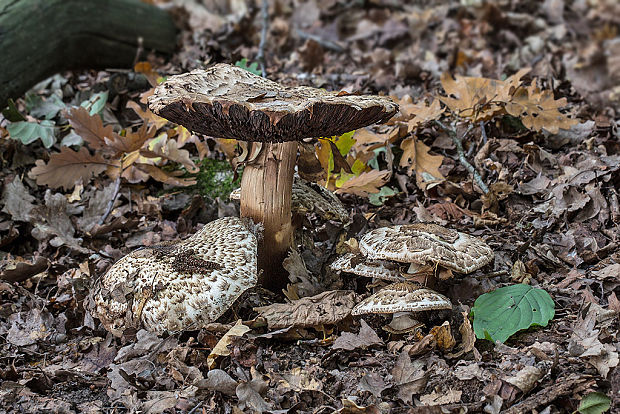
(359, 265)
(402, 297)
(425, 243)
(230, 102)
(181, 286)
(307, 198)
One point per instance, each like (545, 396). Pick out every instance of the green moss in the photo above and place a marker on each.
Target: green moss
(215, 179)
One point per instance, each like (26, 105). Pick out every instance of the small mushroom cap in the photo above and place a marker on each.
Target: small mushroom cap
(426, 243)
(179, 286)
(307, 198)
(402, 297)
(359, 265)
(230, 102)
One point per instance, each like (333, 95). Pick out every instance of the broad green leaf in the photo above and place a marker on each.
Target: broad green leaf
(95, 103)
(377, 199)
(345, 142)
(11, 113)
(505, 311)
(594, 403)
(42, 108)
(344, 177)
(28, 132)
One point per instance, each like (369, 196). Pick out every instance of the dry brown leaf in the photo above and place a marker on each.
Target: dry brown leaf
(141, 172)
(366, 183)
(479, 98)
(133, 141)
(423, 114)
(221, 348)
(416, 158)
(326, 308)
(366, 338)
(169, 149)
(67, 167)
(146, 115)
(443, 336)
(539, 110)
(90, 128)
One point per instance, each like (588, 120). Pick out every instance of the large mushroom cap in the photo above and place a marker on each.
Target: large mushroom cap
(424, 243)
(230, 102)
(357, 265)
(181, 286)
(402, 297)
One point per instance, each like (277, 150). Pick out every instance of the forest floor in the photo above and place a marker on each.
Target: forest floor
(551, 215)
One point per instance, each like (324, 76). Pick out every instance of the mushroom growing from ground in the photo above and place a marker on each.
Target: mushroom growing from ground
(226, 101)
(179, 286)
(420, 246)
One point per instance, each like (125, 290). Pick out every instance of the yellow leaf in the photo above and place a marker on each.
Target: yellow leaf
(221, 348)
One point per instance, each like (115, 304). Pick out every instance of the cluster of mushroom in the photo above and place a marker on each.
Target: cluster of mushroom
(384, 251)
(189, 284)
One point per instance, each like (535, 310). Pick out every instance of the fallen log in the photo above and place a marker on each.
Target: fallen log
(41, 37)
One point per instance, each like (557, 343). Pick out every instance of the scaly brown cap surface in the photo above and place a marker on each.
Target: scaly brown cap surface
(402, 297)
(426, 243)
(226, 101)
(359, 265)
(181, 286)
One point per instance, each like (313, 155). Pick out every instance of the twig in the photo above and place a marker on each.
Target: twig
(461, 153)
(327, 44)
(260, 57)
(117, 186)
(483, 132)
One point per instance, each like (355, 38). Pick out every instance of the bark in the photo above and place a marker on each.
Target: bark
(41, 37)
(266, 187)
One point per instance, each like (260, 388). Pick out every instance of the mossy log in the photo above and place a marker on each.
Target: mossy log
(41, 37)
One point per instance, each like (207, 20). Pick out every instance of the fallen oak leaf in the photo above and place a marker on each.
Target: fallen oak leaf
(416, 158)
(368, 182)
(90, 128)
(67, 167)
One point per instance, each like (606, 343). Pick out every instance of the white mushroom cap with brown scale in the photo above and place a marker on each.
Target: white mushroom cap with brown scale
(360, 266)
(426, 243)
(402, 297)
(181, 286)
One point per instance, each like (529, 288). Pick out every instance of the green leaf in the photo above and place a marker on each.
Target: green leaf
(11, 113)
(46, 108)
(505, 311)
(594, 403)
(377, 199)
(253, 67)
(28, 132)
(345, 142)
(95, 103)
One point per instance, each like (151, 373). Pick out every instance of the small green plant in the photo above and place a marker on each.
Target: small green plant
(594, 403)
(215, 179)
(505, 311)
(252, 67)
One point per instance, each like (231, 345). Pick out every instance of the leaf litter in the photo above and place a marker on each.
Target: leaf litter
(530, 90)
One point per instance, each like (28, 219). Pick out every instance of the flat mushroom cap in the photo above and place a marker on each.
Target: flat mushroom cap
(181, 286)
(402, 297)
(358, 265)
(308, 198)
(226, 101)
(425, 243)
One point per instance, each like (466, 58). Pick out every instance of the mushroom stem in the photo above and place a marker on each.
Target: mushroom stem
(266, 187)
